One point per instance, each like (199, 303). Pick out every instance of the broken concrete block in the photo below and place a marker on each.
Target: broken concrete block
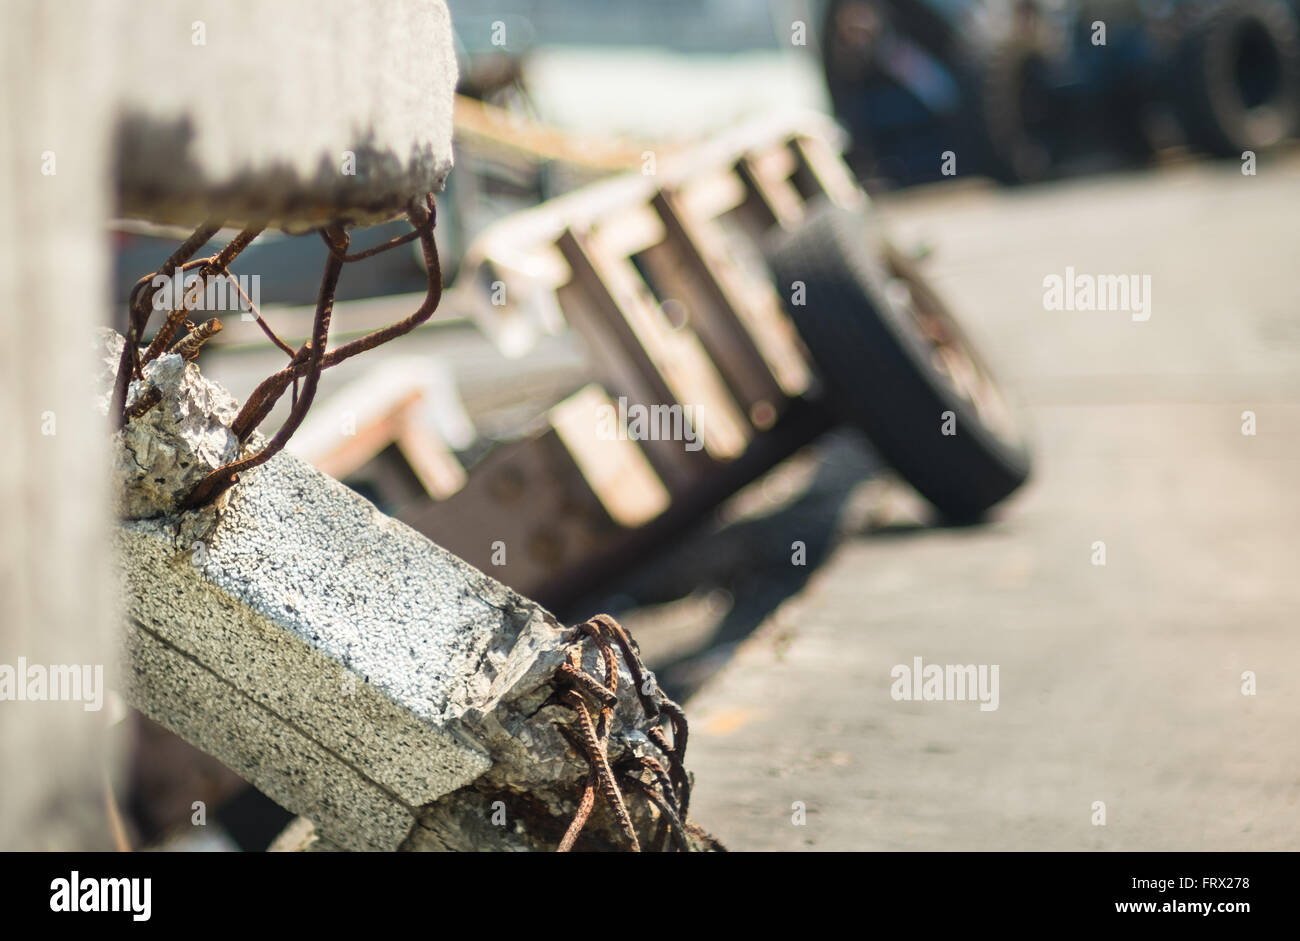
(332, 652)
(348, 667)
(297, 112)
(54, 576)
(165, 452)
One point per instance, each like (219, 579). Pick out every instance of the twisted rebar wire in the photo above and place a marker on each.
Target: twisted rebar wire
(668, 790)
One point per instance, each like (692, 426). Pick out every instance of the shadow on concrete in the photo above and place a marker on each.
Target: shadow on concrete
(742, 557)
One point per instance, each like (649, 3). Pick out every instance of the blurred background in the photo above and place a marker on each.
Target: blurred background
(1002, 142)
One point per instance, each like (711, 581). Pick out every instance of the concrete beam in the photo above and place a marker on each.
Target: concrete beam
(54, 583)
(295, 112)
(360, 675)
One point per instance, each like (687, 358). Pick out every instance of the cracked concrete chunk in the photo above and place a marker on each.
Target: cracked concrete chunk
(354, 671)
(340, 661)
(160, 456)
(364, 652)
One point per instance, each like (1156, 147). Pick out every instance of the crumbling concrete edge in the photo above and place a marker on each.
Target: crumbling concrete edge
(261, 689)
(356, 672)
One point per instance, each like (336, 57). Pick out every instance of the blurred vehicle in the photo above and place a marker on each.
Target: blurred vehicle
(1021, 90)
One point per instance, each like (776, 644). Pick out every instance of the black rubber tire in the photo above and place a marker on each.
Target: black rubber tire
(878, 366)
(1213, 103)
(1022, 146)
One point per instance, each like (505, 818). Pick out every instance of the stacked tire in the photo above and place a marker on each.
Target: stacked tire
(1234, 79)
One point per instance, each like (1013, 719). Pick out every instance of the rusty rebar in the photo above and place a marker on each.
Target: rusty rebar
(676, 752)
(599, 762)
(257, 316)
(221, 479)
(307, 362)
(219, 262)
(611, 676)
(433, 266)
(264, 397)
(664, 807)
(669, 789)
(585, 805)
(606, 652)
(404, 239)
(677, 760)
(188, 346)
(138, 305)
(176, 316)
(601, 693)
(676, 767)
(147, 399)
(657, 771)
(631, 656)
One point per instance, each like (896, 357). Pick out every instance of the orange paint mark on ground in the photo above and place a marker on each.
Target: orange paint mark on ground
(726, 722)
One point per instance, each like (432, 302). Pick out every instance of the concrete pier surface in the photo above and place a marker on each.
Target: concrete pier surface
(1124, 687)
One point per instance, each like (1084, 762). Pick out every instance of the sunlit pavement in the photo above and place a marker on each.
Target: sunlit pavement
(1119, 683)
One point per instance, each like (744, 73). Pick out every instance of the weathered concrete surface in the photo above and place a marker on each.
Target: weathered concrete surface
(55, 596)
(349, 668)
(245, 110)
(117, 102)
(1119, 683)
(164, 453)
